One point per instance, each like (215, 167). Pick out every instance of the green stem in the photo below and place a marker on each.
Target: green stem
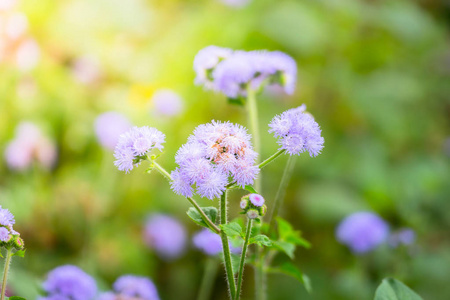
(205, 218)
(5, 272)
(271, 158)
(242, 262)
(252, 111)
(281, 192)
(209, 276)
(226, 246)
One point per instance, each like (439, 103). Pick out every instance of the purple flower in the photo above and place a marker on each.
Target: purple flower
(256, 200)
(136, 286)
(29, 144)
(107, 296)
(6, 217)
(213, 153)
(206, 60)
(167, 103)
(235, 3)
(134, 144)
(362, 231)
(4, 234)
(297, 132)
(166, 236)
(210, 243)
(404, 236)
(232, 72)
(71, 282)
(109, 126)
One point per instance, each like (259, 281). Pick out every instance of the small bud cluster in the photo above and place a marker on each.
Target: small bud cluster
(253, 205)
(9, 238)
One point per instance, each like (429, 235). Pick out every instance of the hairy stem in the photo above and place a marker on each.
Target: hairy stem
(226, 246)
(242, 261)
(208, 279)
(5, 272)
(271, 158)
(205, 218)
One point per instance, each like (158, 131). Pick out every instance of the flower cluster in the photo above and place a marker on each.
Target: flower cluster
(210, 243)
(8, 236)
(253, 205)
(130, 287)
(29, 145)
(404, 236)
(362, 231)
(166, 236)
(213, 153)
(69, 282)
(109, 126)
(230, 72)
(297, 132)
(134, 145)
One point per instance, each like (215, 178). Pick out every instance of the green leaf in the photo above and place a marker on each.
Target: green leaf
(20, 253)
(236, 101)
(250, 189)
(16, 298)
(291, 270)
(392, 289)
(261, 240)
(232, 229)
(287, 233)
(210, 212)
(286, 247)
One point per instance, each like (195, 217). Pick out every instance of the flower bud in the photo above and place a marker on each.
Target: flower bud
(18, 243)
(263, 210)
(244, 204)
(252, 213)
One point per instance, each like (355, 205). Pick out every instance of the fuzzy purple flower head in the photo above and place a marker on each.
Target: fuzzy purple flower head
(166, 236)
(71, 282)
(6, 217)
(4, 234)
(213, 153)
(134, 145)
(167, 103)
(109, 126)
(205, 61)
(210, 243)
(256, 199)
(297, 132)
(362, 231)
(137, 287)
(235, 70)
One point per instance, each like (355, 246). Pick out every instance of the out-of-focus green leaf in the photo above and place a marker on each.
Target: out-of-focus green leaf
(287, 233)
(251, 189)
(210, 212)
(285, 247)
(392, 289)
(291, 270)
(261, 240)
(20, 253)
(232, 229)
(16, 298)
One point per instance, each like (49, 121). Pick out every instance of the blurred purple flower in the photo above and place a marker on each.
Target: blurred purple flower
(206, 60)
(297, 132)
(362, 231)
(6, 217)
(136, 142)
(236, 3)
(107, 296)
(27, 145)
(230, 71)
(167, 103)
(404, 236)
(256, 199)
(136, 286)
(109, 126)
(215, 151)
(71, 282)
(210, 243)
(166, 236)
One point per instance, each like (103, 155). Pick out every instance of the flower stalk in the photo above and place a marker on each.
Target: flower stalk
(226, 246)
(242, 261)
(252, 111)
(271, 158)
(5, 271)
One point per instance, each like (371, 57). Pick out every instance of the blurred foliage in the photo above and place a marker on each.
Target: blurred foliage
(375, 74)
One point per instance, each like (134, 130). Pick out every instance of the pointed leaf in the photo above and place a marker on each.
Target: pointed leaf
(20, 253)
(286, 247)
(291, 270)
(232, 229)
(210, 212)
(392, 289)
(250, 189)
(261, 240)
